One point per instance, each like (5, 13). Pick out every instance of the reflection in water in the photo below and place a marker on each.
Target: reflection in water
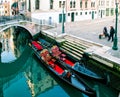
(14, 75)
(44, 84)
(13, 43)
(0, 51)
(6, 47)
(8, 68)
(36, 81)
(33, 80)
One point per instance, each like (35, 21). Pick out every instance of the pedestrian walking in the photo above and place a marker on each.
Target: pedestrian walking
(112, 31)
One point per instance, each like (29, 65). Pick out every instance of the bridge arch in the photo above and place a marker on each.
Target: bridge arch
(12, 68)
(16, 25)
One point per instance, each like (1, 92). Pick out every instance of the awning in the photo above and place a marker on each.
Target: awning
(14, 5)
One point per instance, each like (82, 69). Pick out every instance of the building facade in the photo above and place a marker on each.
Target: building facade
(4, 8)
(52, 10)
(74, 10)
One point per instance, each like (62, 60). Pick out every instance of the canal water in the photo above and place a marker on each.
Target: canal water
(23, 75)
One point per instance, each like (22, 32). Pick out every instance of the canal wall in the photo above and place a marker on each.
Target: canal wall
(102, 59)
(96, 51)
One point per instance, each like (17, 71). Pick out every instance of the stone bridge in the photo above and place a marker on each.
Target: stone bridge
(31, 26)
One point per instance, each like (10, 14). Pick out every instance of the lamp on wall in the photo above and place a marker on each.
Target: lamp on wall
(115, 46)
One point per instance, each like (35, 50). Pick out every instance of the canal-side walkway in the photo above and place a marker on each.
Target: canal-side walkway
(99, 52)
(89, 30)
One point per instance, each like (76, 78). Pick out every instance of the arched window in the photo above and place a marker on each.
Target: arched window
(80, 4)
(37, 4)
(74, 3)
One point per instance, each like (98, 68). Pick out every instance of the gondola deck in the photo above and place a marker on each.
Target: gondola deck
(63, 73)
(70, 63)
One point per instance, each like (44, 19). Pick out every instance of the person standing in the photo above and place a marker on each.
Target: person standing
(105, 32)
(112, 31)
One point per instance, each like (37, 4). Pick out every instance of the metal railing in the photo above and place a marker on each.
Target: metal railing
(4, 20)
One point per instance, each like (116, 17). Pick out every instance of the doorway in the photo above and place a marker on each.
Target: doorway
(72, 17)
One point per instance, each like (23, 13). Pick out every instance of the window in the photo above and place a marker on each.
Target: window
(70, 4)
(37, 4)
(76, 13)
(80, 13)
(63, 2)
(92, 4)
(112, 11)
(80, 4)
(51, 4)
(86, 4)
(107, 11)
(102, 3)
(85, 13)
(60, 4)
(74, 3)
(107, 3)
(68, 14)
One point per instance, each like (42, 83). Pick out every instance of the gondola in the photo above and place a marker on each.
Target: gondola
(78, 67)
(60, 71)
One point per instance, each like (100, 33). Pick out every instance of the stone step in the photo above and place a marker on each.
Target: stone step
(79, 45)
(79, 42)
(90, 43)
(76, 40)
(73, 48)
(73, 52)
(81, 48)
(76, 57)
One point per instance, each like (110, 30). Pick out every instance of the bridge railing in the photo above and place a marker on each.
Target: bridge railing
(9, 19)
(5, 19)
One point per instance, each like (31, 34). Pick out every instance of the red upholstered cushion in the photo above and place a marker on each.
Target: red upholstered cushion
(57, 68)
(67, 61)
(37, 45)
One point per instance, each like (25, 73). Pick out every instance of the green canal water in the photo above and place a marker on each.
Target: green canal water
(23, 75)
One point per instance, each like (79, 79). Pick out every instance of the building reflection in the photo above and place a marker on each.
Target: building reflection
(39, 80)
(15, 65)
(1, 91)
(0, 51)
(13, 43)
(14, 71)
(7, 46)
